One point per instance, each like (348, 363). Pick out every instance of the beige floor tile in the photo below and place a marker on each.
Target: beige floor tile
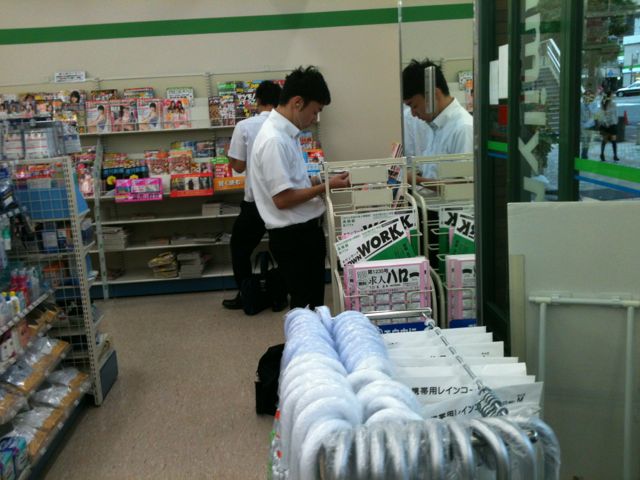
(183, 405)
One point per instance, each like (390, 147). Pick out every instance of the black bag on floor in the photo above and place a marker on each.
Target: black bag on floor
(267, 380)
(263, 289)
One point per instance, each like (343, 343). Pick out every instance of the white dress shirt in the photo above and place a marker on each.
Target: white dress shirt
(452, 133)
(242, 143)
(277, 165)
(417, 133)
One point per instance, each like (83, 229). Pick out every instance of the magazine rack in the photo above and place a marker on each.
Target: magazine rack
(452, 189)
(378, 188)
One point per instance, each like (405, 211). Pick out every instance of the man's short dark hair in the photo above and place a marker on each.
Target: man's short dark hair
(268, 93)
(307, 83)
(413, 79)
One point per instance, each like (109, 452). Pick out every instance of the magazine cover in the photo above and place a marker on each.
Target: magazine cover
(205, 149)
(358, 222)
(463, 240)
(175, 93)
(202, 165)
(180, 161)
(103, 95)
(98, 115)
(227, 94)
(177, 113)
(149, 113)
(382, 242)
(314, 160)
(246, 99)
(142, 92)
(192, 185)
(138, 190)
(158, 162)
(214, 111)
(124, 115)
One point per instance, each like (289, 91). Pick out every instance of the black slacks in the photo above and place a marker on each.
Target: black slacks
(300, 251)
(248, 230)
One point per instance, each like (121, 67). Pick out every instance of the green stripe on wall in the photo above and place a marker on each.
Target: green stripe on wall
(497, 146)
(611, 170)
(253, 23)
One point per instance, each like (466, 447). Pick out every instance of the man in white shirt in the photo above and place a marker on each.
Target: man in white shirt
(417, 134)
(291, 207)
(248, 229)
(451, 124)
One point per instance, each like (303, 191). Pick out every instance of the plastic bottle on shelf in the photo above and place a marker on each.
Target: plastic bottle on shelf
(21, 299)
(5, 312)
(6, 234)
(15, 303)
(23, 287)
(13, 282)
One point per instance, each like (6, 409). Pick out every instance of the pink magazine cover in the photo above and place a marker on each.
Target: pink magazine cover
(98, 116)
(176, 113)
(150, 112)
(138, 190)
(124, 115)
(397, 284)
(460, 279)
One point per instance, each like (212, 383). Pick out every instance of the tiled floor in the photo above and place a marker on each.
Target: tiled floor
(183, 405)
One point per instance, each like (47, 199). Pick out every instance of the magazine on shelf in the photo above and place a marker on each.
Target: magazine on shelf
(124, 115)
(352, 223)
(158, 162)
(398, 284)
(150, 113)
(202, 165)
(141, 92)
(103, 95)
(463, 239)
(314, 160)
(227, 94)
(138, 190)
(176, 113)
(180, 161)
(174, 93)
(215, 116)
(205, 149)
(461, 294)
(192, 185)
(98, 116)
(246, 99)
(384, 241)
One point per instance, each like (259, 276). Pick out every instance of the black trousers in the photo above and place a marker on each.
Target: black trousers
(300, 251)
(248, 230)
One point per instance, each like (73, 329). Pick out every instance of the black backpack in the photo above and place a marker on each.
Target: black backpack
(263, 289)
(268, 374)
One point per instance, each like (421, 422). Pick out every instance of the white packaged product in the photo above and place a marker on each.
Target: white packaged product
(444, 361)
(393, 340)
(499, 369)
(493, 349)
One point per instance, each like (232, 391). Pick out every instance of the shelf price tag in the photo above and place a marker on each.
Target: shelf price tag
(69, 77)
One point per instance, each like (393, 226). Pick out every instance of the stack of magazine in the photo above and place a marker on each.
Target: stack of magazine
(191, 264)
(164, 265)
(115, 238)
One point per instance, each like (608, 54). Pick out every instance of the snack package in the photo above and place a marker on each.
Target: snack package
(70, 377)
(22, 377)
(42, 418)
(58, 396)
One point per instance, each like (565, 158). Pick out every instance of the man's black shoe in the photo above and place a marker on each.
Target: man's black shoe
(233, 303)
(280, 305)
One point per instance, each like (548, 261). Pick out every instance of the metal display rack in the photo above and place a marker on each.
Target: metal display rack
(453, 188)
(57, 213)
(370, 192)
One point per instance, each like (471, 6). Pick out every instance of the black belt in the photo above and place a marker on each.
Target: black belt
(313, 223)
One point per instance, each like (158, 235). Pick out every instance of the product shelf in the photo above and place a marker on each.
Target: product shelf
(135, 248)
(67, 218)
(72, 331)
(41, 332)
(167, 219)
(166, 196)
(16, 319)
(146, 275)
(160, 131)
(85, 249)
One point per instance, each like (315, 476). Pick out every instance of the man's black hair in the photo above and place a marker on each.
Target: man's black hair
(268, 93)
(413, 79)
(307, 83)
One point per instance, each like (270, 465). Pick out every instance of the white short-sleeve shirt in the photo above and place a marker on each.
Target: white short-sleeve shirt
(452, 133)
(242, 143)
(277, 165)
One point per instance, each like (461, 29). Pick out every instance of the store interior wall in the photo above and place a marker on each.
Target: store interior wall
(360, 63)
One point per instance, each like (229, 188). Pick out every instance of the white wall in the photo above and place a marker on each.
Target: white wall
(360, 64)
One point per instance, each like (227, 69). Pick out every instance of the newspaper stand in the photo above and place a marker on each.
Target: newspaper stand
(377, 187)
(453, 188)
